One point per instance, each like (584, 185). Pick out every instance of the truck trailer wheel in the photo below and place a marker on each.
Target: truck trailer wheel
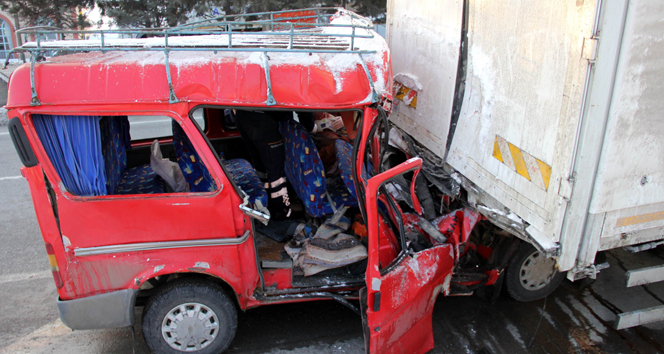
(190, 315)
(530, 275)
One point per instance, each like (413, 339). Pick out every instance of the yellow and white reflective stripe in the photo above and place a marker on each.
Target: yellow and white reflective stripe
(522, 162)
(640, 219)
(405, 94)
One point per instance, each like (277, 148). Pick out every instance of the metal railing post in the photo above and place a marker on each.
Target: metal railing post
(171, 92)
(290, 43)
(230, 36)
(270, 99)
(352, 37)
(374, 96)
(34, 101)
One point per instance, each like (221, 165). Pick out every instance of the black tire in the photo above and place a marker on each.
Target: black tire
(522, 285)
(214, 305)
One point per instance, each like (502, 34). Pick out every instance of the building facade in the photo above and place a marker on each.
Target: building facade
(8, 37)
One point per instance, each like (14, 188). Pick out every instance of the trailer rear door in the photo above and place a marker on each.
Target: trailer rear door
(622, 196)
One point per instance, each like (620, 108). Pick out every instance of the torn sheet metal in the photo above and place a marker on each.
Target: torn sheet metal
(432, 165)
(507, 220)
(399, 314)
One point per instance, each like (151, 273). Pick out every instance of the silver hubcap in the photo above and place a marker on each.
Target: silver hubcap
(190, 327)
(536, 271)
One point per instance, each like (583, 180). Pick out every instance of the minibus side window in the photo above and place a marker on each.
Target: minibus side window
(152, 127)
(99, 156)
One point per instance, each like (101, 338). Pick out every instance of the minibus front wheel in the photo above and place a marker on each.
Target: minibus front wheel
(531, 275)
(189, 315)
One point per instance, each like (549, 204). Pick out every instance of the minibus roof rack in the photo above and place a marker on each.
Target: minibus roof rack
(309, 30)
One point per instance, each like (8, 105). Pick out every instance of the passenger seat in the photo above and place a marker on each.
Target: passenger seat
(244, 175)
(199, 179)
(321, 196)
(115, 141)
(194, 170)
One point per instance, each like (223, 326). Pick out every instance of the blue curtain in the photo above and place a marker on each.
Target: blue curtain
(73, 144)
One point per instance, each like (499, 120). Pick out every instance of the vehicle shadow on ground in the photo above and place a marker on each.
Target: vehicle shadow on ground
(321, 327)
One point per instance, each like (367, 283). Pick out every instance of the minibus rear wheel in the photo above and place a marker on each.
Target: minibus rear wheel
(190, 315)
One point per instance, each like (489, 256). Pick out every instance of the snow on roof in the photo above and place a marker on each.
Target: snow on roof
(338, 63)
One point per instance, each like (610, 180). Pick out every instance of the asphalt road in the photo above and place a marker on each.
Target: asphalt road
(573, 320)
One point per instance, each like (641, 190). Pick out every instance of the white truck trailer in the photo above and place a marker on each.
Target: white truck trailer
(550, 113)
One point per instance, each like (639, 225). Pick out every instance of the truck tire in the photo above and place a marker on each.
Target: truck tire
(530, 275)
(190, 315)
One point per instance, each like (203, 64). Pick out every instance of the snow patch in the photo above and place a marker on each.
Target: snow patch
(515, 333)
(409, 80)
(482, 66)
(596, 324)
(547, 317)
(568, 312)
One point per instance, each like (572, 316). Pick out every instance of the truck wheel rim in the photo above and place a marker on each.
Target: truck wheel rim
(190, 327)
(536, 271)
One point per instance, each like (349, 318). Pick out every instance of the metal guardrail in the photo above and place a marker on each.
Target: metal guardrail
(310, 31)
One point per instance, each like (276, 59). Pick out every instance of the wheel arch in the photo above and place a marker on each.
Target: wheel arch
(154, 283)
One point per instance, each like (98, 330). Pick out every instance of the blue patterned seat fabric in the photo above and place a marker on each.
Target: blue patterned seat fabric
(140, 180)
(343, 151)
(244, 175)
(194, 170)
(115, 141)
(305, 171)
(339, 192)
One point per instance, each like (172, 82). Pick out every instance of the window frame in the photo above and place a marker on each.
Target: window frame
(6, 35)
(166, 138)
(56, 181)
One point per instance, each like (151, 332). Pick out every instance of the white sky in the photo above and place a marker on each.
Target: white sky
(94, 15)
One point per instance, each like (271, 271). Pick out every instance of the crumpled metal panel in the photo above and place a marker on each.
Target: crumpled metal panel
(403, 324)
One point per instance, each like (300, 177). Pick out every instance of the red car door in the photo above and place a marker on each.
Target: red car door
(398, 301)
(115, 242)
